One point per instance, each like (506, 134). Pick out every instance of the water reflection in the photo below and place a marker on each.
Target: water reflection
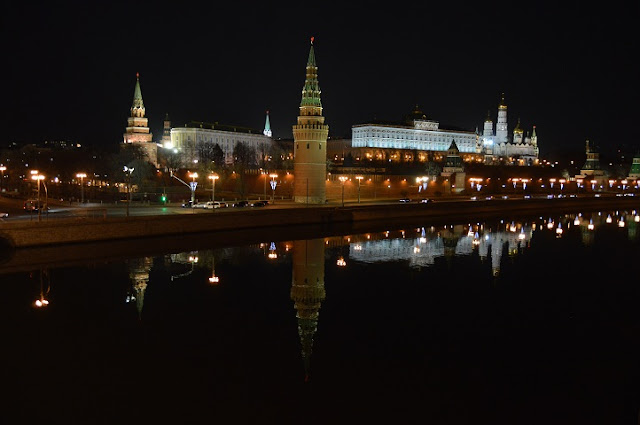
(45, 288)
(307, 292)
(139, 269)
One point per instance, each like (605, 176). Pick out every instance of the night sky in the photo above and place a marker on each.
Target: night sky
(69, 70)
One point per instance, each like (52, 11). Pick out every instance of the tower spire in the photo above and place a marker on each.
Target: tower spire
(267, 127)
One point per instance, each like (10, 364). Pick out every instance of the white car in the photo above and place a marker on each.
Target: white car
(214, 204)
(4, 215)
(200, 205)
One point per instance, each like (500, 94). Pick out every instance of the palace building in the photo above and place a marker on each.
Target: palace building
(195, 137)
(417, 133)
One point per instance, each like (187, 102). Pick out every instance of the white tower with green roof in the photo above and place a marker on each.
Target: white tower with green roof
(310, 141)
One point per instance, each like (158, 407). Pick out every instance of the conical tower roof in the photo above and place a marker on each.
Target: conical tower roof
(137, 94)
(311, 90)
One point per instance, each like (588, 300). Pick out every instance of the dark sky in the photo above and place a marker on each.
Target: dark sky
(571, 70)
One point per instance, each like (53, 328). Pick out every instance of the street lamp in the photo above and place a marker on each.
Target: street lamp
(193, 186)
(2, 169)
(264, 173)
(273, 184)
(359, 178)
(213, 178)
(128, 172)
(81, 176)
(38, 178)
(343, 179)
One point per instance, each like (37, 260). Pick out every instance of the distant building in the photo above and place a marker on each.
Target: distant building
(634, 172)
(591, 170)
(166, 131)
(453, 169)
(520, 149)
(137, 130)
(190, 141)
(417, 133)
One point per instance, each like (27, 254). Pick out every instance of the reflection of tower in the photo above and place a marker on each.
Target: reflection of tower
(310, 141)
(139, 274)
(307, 292)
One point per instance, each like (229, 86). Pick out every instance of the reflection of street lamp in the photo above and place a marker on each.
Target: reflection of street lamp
(213, 178)
(359, 178)
(128, 172)
(343, 179)
(81, 176)
(273, 184)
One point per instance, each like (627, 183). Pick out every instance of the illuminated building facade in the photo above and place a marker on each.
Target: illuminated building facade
(196, 137)
(310, 141)
(137, 130)
(498, 145)
(419, 133)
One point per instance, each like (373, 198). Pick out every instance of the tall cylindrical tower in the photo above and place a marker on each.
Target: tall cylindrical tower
(310, 141)
(501, 125)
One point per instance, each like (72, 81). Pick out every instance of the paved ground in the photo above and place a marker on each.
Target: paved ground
(14, 207)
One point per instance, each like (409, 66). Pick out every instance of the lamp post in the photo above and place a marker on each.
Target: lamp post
(359, 178)
(343, 179)
(213, 178)
(38, 177)
(81, 176)
(273, 184)
(264, 173)
(193, 186)
(128, 172)
(2, 169)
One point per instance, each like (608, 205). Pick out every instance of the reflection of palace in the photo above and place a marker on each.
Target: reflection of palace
(451, 241)
(307, 292)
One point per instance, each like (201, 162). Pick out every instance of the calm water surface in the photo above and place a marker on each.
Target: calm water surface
(510, 322)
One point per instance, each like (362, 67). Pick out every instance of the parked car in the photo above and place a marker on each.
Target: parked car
(34, 205)
(241, 204)
(201, 205)
(186, 204)
(260, 204)
(426, 201)
(214, 204)
(404, 200)
(4, 215)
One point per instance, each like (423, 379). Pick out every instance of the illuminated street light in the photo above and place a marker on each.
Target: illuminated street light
(2, 169)
(81, 176)
(193, 186)
(273, 184)
(38, 178)
(213, 178)
(128, 171)
(343, 179)
(359, 178)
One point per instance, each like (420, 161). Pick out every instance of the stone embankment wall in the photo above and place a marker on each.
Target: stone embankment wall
(71, 231)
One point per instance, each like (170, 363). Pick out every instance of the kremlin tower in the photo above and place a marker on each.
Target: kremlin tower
(310, 141)
(137, 131)
(307, 292)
